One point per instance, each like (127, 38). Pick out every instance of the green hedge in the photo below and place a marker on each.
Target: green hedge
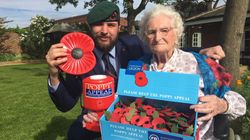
(13, 57)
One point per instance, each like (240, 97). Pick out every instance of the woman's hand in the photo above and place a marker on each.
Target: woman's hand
(215, 52)
(211, 105)
(89, 117)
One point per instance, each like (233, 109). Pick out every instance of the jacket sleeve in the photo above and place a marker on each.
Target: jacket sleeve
(236, 105)
(129, 47)
(68, 92)
(134, 45)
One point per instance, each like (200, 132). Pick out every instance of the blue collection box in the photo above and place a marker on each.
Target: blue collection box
(180, 90)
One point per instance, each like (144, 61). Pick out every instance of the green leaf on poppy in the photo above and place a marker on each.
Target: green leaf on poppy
(116, 105)
(140, 109)
(128, 118)
(119, 104)
(182, 119)
(132, 105)
(160, 126)
(156, 114)
(158, 108)
(183, 124)
(120, 101)
(189, 130)
(143, 114)
(174, 128)
(131, 113)
(168, 119)
(107, 115)
(173, 120)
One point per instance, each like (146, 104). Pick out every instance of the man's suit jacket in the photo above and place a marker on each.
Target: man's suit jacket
(70, 87)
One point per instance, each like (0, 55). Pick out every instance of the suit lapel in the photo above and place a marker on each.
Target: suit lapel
(122, 55)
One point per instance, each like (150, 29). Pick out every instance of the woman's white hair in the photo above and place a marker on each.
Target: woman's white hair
(177, 22)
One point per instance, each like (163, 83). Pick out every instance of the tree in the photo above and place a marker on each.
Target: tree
(232, 33)
(187, 7)
(210, 5)
(2, 23)
(3, 37)
(34, 42)
(128, 8)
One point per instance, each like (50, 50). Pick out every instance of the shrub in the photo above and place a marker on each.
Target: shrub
(242, 124)
(33, 39)
(9, 57)
(10, 43)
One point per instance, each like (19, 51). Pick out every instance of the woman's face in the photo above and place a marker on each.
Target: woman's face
(160, 34)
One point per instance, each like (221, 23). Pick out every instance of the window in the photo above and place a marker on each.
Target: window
(247, 43)
(196, 40)
(182, 41)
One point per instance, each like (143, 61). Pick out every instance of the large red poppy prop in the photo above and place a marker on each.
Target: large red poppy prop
(81, 59)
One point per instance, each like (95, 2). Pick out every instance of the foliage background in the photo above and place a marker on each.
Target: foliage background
(242, 125)
(34, 43)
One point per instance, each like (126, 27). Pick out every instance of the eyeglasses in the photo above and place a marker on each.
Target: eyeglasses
(162, 31)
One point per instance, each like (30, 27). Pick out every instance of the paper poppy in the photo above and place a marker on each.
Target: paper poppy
(143, 120)
(135, 119)
(141, 79)
(115, 117)
(164, 118)
(157, 122)
(80, 57)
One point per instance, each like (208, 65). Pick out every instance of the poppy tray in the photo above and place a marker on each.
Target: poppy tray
(152, 106)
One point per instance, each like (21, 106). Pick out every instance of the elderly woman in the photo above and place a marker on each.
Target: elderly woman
(162, 28)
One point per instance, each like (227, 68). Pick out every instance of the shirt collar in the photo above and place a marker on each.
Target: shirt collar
(153, 65)
(112, 52)
(99, 53)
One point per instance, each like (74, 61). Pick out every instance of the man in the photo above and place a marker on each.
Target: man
(103, 20)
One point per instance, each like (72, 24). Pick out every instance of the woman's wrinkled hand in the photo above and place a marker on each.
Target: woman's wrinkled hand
(211, 105)
(215, 52)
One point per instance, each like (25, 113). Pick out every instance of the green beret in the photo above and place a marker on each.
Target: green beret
(103, 11)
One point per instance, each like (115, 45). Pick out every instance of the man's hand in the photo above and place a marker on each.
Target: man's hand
(211, 105)
(215, 52)
(55, 56)
(89, 117)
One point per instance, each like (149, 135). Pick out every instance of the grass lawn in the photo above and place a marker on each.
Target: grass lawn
(26, 110)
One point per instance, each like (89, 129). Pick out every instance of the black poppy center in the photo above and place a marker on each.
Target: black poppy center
(77, 53)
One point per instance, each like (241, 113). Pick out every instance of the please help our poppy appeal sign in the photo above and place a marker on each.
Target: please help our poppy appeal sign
(152, 106)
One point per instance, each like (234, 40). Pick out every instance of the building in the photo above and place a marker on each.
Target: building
(70, 24)
(203, 30)
(81, 19)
